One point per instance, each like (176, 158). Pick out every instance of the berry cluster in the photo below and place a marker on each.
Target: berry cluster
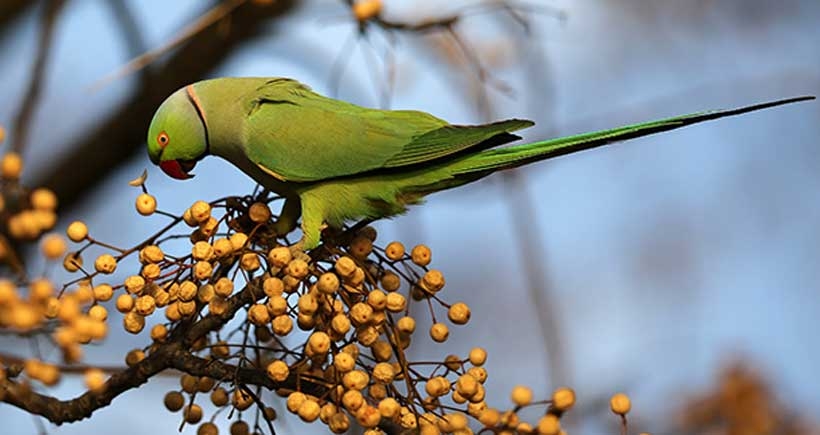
(243, 312)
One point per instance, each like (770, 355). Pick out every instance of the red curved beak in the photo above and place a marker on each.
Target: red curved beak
(174, 169)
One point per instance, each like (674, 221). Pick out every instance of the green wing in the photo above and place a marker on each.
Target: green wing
(300, 136)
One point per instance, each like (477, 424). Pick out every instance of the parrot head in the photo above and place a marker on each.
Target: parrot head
(177, 137)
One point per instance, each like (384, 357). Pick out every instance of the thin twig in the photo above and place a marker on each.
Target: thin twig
(22, 122)
(207, 19)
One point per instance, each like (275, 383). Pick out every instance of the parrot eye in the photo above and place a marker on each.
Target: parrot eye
(163, 139)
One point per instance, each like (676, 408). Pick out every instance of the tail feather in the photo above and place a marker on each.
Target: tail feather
(485, 162)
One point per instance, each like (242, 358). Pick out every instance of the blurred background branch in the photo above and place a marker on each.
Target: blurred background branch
(22, 122)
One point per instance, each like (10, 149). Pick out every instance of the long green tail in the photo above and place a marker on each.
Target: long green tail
(485, 162)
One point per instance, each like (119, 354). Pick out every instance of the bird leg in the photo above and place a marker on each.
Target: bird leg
(288, 217)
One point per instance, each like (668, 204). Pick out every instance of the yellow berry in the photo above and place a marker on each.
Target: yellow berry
(77, 231)
(620, 404)
(361, 247)
(318, 343)
(340, 324)
(103, 292)
(421, 255)
(408, 421)
(295, 400)
(202, 251)
(344, 362)
(307, 304)
(432, 281)
(133, 322)
(258, 314)
(151, 254)
(133, 357)
(475, 409)
(563, 398)
(259, 212)
(134, 284)
(222, 247)
(521, 395)
(249, 262)
(186, 308)
(72, 262)
(238, 241)
(406, 325)
(151, 271)
(352, 400)
(240, 427)
(174, 401)
(207, 428)
(467, 386)
(355, 380)
(360, 313)
(43, 199)
(297, 268)
(44, 220)
(105, 263)
(144, 305)
(200, 211)
(439, 332)
(203, 270)
(459, 313)
(394, 251)
(328, 283)
(188, 218)
(309, 411)
(40, 290)
(94, 379)
(53, 246)
(453, 423)
(11, 166)
(25, 317)
(282, 325)
(395, 302)
(278, 371)
(390, 281)
(220, 349)
(365, 9)
(219, 397)
(368, 416)
(205, 384)
(159, 332)
(478, 356)
(205, 293)
(383, 372)
(437, 386)
(146, 204)
(279, 256)
(345, 267)
(389, 407)
(339, 423)
(241, 400)
(549, 425)
(98, 312)
(193, 413)
(223, 287)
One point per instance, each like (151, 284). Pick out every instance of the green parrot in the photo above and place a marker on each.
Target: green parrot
(335, 162)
